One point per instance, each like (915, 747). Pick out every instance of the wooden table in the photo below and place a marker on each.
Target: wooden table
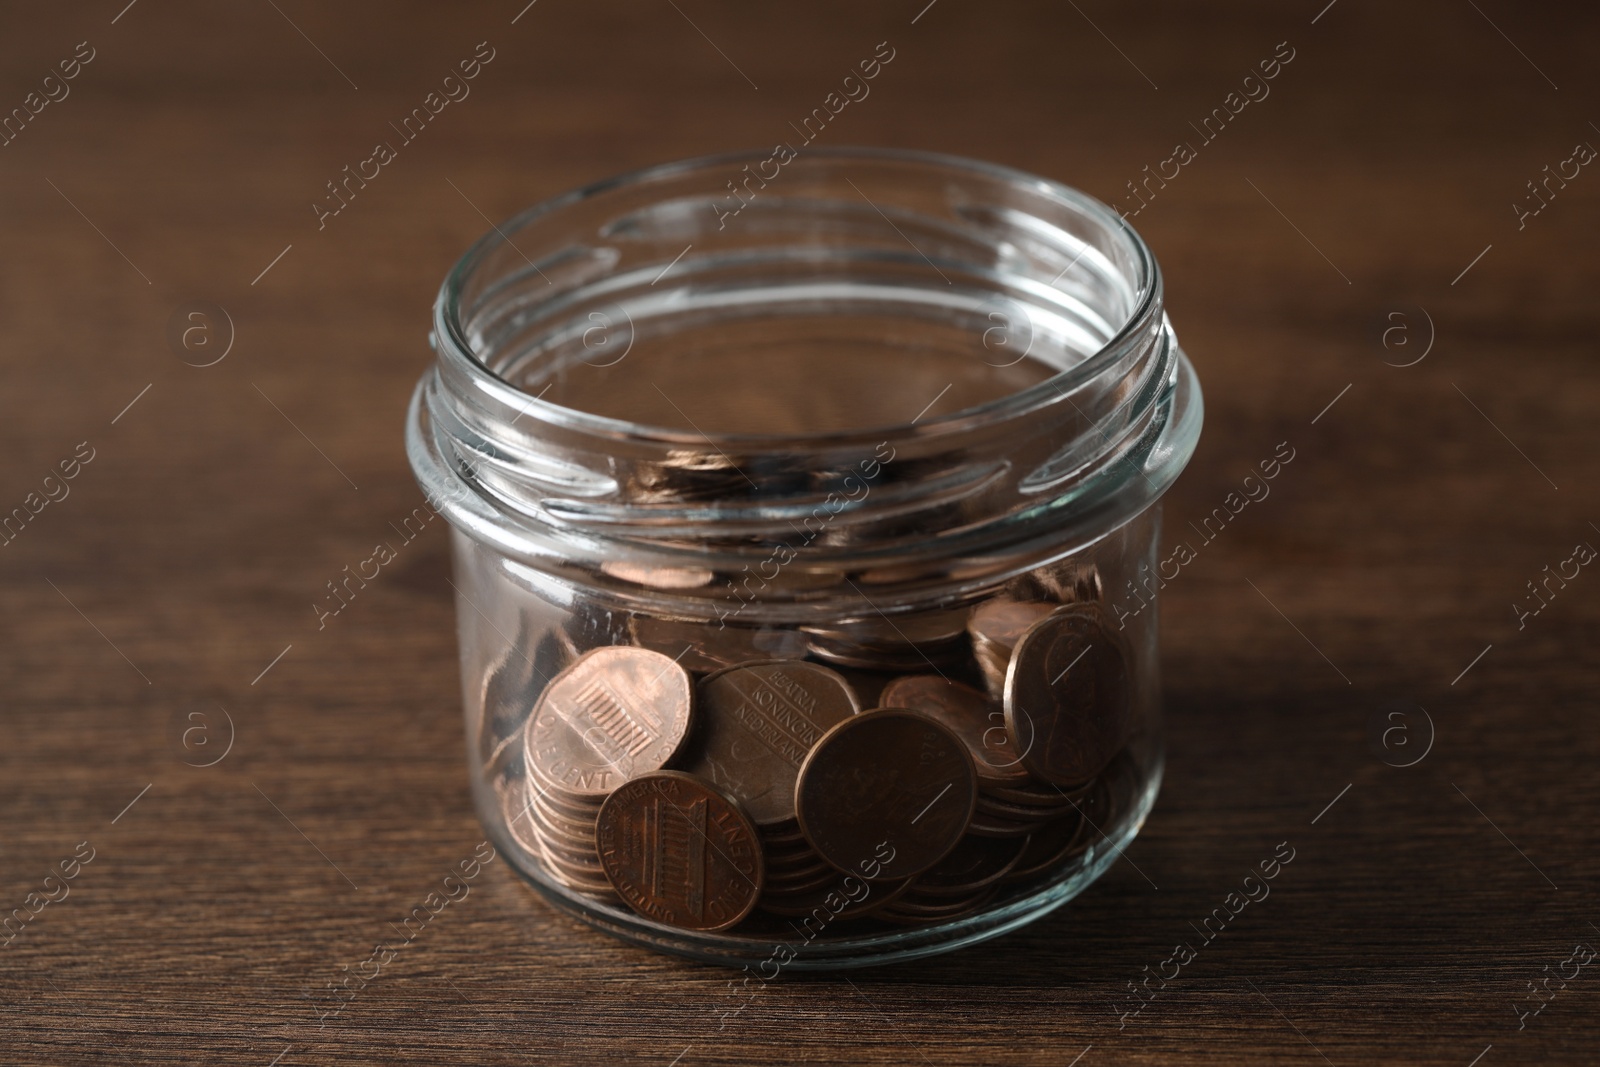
(1367, 201)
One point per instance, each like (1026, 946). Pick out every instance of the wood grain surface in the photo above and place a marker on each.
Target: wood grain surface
(170, 589)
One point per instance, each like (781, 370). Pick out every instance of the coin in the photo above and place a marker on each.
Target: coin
(904, 642)
(1002, 622)
(519, 822)
(615, 713)
(702, 648)
(843, 897)
(969, 714)
(1048, 847)
(989, 805)
(984, 825)
(757, 723)
(906, 912)
(658, 577)
(995, 626)
(975, 864)
(889, 786)
(1067, 696)
(679, 851)
(1070, 580)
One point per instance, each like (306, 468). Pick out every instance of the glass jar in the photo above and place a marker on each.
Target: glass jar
(854, 415)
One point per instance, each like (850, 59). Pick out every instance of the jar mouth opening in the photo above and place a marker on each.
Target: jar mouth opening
(1107, 240)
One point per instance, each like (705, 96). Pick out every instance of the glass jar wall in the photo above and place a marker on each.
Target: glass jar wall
(804, 518)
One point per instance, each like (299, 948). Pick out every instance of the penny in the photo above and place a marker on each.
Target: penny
(843, 897)
(988, 805)
(1048, 847)
(909, 641)
(1002, 622)
(576, 879)
(891, 653)
(556, 810)
(891, 788)
(1070, 580)
(757, 723)
(703, 649)
(680, 851)
(969, 714)
(995, 626)
(975, 864)
(519, 822)
(790, 883)
(1067, 696)
(908, 912)
(576, 840)
(991, 826)
(783, 833)
(658, 577)
(1033, 794)
(615, 713)
(802, 885)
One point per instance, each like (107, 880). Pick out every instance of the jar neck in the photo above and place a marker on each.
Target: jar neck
(926, 507)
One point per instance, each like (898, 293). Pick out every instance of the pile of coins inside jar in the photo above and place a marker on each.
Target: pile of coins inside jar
(904, 774)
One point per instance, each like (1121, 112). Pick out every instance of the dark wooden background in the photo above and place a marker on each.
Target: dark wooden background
(1418, 907)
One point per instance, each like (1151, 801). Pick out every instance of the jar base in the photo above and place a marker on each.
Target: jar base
(851, 951)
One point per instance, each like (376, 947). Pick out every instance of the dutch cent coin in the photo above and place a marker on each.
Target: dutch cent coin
(680, 851)
(1067, 696)
(886, 794)
(1002, 621)
(967, 712)
(756, 725)
(615, 713)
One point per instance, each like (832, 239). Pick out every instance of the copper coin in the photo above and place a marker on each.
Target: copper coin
(757, 723)
(844, 897)
(801, 885)
(911, 641)
(999, 809)
(976, 863)
(890, 789)
(991, 826)
(580, 881)
(1035, 794)
(703, 648)
(680, 851)
(1068, 696)
(1048, 847)
(616, 713)
(1002, 621)
(786, 832)
(1070, 580)
(907, 912)
(967, 712)
(519, 820)
(658, 577)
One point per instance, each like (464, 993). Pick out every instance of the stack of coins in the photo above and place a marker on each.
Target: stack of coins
(701, 785)
(616, 713)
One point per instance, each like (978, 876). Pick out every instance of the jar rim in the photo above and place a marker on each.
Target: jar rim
(452, 344)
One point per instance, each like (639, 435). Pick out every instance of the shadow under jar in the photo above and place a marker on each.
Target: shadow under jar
(804, 517)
